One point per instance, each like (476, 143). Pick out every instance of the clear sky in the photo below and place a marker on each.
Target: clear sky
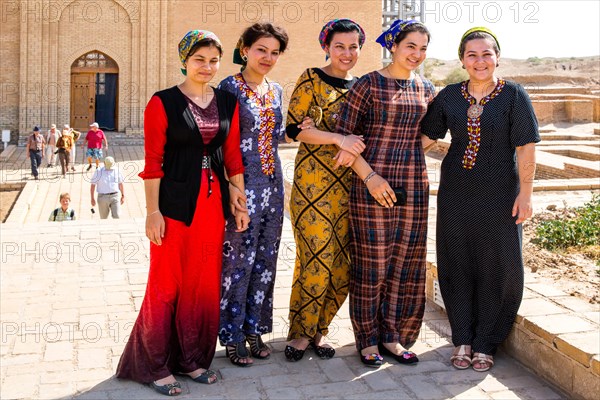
(542, 28)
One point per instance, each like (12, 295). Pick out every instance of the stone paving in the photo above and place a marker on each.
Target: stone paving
(70, 293)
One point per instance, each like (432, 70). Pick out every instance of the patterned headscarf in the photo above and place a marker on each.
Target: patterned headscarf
(387, 38)
(477, 29)
(328, 28)
(189, 40)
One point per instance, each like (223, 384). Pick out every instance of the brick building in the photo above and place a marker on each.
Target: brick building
(81, 61)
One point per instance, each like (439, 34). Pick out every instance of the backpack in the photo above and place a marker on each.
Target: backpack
(56, 213)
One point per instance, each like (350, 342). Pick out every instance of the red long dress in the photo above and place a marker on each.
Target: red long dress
(176, 329)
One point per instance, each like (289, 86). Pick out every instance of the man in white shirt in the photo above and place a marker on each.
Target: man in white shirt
(109, 183)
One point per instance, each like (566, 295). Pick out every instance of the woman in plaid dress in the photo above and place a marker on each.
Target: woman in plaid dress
(387, 288)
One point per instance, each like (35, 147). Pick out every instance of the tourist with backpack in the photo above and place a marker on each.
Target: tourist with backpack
(64, 212)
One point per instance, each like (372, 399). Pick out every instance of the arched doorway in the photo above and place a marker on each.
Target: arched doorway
(94, 94)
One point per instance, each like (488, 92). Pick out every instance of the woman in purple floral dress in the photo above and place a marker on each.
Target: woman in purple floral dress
(250, 257)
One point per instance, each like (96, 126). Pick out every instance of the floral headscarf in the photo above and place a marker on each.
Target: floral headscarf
(189, 40)
(328, 28)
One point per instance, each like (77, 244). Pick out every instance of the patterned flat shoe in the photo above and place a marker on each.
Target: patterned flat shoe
(293, 354)
(406, 357)
(324, 353)
(373, 360)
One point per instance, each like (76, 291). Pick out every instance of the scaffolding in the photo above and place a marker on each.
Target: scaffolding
(403, 9)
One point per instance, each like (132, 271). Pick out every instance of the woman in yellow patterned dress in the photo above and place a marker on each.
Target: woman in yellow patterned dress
(319, 205)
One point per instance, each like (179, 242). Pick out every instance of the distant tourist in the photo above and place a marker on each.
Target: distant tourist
(484, 197)
(64, 146)
(94, 139)
(109, 182)
(51, 138)
(36, 145)
(64, 212)
(75, 136)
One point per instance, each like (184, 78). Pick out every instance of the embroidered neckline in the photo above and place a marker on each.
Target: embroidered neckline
(266, 125)
(474, 121)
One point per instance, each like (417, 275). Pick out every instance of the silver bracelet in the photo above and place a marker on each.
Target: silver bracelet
(368, 178)
(342, 144)
(152, 213)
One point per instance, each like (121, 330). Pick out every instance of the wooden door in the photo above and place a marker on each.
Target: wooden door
(83, 100)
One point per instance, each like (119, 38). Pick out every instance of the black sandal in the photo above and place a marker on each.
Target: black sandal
(236, 352)
(167, 389)
(257, 346)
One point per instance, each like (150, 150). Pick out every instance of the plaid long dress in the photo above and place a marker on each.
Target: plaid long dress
(387, 286)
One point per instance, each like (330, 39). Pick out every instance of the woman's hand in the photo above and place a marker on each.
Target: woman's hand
(307, 123)
(381, 191)
(237, 200)
(344, 158)
(352, 144)
(155, 227)
(522, 209)
(242, 220)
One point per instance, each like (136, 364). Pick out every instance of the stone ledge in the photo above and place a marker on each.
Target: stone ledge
(7, 152)
(558, 343)
(23, 204)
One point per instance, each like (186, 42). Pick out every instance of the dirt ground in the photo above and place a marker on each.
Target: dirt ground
(571, 272)
(567, 71)
(7, 199)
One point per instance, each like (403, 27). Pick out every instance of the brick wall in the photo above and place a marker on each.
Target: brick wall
(40, 39)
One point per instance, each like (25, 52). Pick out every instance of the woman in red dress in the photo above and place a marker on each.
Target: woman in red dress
(191, 138)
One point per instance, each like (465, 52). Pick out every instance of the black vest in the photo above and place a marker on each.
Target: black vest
(184, 149)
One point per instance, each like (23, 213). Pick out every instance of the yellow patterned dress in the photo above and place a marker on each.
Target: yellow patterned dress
(319, 210)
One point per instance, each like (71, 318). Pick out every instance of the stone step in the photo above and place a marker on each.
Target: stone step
(563, 136)
(558, 90)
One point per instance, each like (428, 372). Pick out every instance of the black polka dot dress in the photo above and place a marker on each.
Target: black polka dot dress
(480, 265)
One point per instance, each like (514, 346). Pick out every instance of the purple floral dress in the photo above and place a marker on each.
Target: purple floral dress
(250, 257)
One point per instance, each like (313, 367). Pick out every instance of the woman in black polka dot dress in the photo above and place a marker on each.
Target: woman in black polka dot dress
(485, 193)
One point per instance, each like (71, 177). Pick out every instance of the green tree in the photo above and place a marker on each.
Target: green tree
(456, 75)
